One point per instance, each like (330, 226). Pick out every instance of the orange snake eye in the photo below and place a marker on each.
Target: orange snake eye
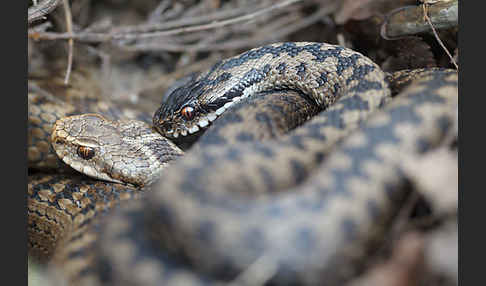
(188, 112)
(85, 152)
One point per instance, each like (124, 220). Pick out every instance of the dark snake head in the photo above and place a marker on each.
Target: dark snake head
(193, 106)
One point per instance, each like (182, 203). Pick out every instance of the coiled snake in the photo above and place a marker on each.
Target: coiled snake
(294, 211)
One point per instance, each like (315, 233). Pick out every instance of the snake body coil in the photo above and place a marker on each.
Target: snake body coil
(296, 211)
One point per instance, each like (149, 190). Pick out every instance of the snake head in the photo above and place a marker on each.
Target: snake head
(124, 151)
(181, 113)
(192, 107)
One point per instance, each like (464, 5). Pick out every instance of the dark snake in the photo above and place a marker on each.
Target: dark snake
(294, 211)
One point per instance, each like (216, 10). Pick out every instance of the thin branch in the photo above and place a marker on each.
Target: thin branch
(187, 21)
(69, 28)
(241, 42)
(103, 37)
(216, 24)
(154, 15)
(438, 38)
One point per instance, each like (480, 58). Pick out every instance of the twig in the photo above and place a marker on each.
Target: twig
(163, 5)
(241, 42)
(187, 21)
(39, 10)
(69, 28)
(173, 12)
(438, 38)
(215, 24)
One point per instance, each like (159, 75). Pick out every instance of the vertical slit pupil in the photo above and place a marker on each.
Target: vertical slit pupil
(188, 112)
(85, 152)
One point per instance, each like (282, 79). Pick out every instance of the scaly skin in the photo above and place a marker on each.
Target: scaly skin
(213, 216)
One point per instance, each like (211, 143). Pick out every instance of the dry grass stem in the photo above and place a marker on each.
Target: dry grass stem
(69, 28)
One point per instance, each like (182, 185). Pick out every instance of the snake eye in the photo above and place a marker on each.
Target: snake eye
(85, 152)
(188, 112)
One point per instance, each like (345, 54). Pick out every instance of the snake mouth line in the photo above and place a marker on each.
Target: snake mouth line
(203, 122)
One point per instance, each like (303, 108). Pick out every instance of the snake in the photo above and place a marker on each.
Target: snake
(303, 209)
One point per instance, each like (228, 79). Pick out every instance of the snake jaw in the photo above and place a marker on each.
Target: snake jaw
(176, 126)
(172, 124)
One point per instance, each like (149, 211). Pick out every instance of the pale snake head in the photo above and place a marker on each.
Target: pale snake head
(125, 151)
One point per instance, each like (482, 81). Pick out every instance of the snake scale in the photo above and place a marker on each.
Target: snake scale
(301, 209)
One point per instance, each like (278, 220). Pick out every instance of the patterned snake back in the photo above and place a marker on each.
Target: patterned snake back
(294, 211)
